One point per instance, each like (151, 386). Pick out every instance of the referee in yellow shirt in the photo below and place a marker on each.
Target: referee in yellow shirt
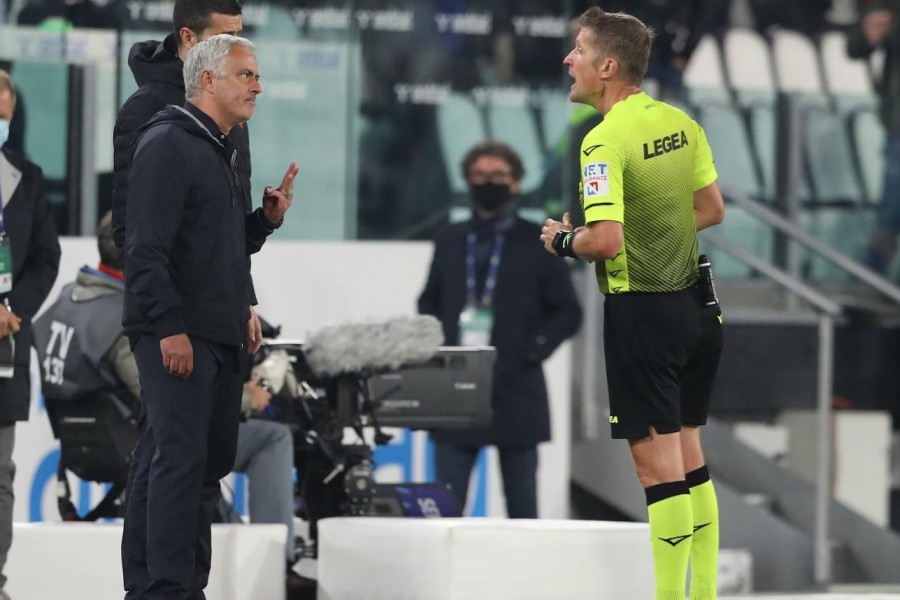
(648, 185)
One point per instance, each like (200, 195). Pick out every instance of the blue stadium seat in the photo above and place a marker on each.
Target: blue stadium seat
(516, 125)
(868, 136)
(744, 231)
(849, 81)
(44, 87)
(704, 77)
(460, 126)
(829, 157)
(727, 135)
(555, 116)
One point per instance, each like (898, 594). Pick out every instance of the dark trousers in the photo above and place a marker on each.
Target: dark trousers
(188, 441)
(453, 465)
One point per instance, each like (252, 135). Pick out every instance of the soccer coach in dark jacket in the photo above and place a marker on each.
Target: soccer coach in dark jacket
(157, 69)
(185, 314)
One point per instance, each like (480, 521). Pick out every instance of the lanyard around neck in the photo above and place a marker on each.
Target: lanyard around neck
(490, 283)
(2, 227)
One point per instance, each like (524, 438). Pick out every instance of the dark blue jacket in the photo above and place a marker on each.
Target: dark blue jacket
(535, 311)
(158, 73)
(35, 256)
(185, 247)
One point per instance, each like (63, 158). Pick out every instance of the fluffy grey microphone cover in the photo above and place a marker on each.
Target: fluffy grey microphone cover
(373, 346)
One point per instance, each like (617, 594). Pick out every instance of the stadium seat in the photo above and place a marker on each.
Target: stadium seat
(517, 126)
(748, 65)
(44, 88)
(555, 115)
(847, 80)
(762, 121)
(744, 231)
(727, 135)
(868, 134)
(704, 77)
(796, 64)
(844, 229)
(829, 157)
(460, 126)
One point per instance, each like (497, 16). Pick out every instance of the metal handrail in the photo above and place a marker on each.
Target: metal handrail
(777, 221)
(792, 284)
(825, 379)
(828, 310)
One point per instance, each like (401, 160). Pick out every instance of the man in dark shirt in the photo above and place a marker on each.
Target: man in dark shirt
(29, 260)
(489, 284)
(185, 314)
(157, 68)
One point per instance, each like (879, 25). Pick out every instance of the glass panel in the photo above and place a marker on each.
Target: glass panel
(42, 80)
(440, 77)
(303, 115)
(378, 102)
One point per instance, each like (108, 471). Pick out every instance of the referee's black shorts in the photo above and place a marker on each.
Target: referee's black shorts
(662, 352)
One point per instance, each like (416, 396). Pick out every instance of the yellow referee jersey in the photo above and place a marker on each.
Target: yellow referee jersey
(640, 167)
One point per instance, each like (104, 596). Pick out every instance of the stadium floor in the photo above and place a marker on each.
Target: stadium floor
(829, 596)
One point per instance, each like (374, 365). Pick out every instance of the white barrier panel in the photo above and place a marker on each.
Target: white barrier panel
(82, 561)
(300, 291)
(482, 559)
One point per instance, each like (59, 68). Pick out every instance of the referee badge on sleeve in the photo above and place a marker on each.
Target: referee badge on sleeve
(596, 179)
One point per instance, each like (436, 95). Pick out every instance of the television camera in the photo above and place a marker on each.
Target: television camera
(350, 379)
(356, 378)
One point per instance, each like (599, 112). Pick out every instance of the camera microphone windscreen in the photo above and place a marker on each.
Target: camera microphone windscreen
(373, 347)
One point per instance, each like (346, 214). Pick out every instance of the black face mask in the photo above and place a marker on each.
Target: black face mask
(489, 196)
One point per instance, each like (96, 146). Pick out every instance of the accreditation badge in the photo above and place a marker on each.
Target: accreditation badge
(475, 325)
(5, 265)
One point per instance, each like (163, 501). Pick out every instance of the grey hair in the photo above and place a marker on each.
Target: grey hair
(210, 55)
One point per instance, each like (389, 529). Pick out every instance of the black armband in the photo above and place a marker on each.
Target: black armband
(562, 243)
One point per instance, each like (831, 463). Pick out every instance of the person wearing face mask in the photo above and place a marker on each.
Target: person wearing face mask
(489, 285)
(29, 261)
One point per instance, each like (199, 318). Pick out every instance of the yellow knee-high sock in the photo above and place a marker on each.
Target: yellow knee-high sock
(671, 528)
(705, 545)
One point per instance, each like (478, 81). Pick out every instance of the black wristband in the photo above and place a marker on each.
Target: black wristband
(562, 243)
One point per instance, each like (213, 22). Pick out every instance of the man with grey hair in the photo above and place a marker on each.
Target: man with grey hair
(185, 312)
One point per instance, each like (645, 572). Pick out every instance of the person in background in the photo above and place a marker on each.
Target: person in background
(489, 285)
(880, 29)
(29, 261)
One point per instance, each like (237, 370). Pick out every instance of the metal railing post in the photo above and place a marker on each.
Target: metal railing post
(822, 566)
(591, 359)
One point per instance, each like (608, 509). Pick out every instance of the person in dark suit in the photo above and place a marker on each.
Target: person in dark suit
(488, 284)
(28, 235)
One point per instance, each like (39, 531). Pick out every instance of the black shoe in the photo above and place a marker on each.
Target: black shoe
(300, 587)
